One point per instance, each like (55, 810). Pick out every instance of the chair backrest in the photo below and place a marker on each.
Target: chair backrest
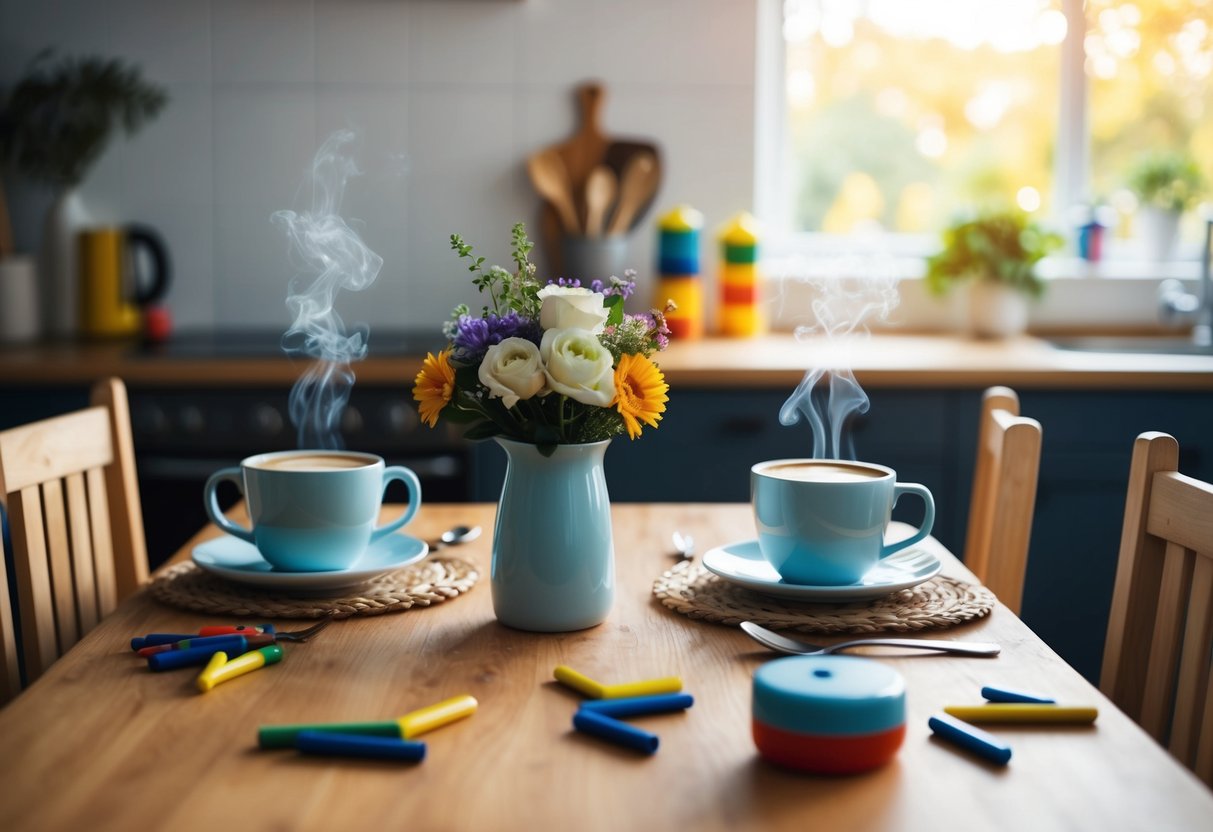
(1004, 496)
(10, 670)
(1160, 630)
(76, 522)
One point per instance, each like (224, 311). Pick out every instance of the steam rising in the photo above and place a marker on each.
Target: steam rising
(330, 256)
(842, 308)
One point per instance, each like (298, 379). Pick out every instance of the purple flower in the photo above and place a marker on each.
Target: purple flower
(567, 283)
(624, 287)
(474, 336)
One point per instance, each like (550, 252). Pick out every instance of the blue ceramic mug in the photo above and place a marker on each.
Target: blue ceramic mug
(312, 511)
(821, 522)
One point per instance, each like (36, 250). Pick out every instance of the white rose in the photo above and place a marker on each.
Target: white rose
(578, 366)
(512, 371)
(572, 308)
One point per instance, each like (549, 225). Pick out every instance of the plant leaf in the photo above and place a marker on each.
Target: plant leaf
(614, 303)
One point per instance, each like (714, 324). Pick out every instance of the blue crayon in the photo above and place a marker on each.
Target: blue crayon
(194, 656)
(355, 745)
(970, 738)
(639, 705)
(620, 733)
(1005, 695)
(155, 639)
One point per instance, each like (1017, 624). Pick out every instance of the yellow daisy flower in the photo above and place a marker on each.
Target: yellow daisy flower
(434, 386)
(640, 392)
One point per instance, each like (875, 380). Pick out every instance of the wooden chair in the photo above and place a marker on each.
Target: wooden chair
(1160, 630)
(76, 522)
(1004, 496)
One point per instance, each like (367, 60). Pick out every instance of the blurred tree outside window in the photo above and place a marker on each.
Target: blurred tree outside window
(902, 115)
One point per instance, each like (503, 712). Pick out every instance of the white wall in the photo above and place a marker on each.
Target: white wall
(465, 90)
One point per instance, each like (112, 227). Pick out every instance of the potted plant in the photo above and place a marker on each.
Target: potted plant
(55, 122)
(1166, 184)
(997, 253)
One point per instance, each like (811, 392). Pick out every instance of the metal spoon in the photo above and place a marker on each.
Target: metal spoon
(684, 545)
(456, 535)
(783, 644)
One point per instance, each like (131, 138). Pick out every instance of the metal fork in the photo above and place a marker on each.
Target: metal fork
(303, 635)
(783, 644)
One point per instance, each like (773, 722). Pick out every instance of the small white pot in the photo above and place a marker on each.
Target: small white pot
(996, 310)
(1159, 231)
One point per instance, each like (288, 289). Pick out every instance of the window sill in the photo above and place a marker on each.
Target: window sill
(1112, 294)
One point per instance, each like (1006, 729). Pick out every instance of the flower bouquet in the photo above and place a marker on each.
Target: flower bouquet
(548, 365)
(552, 371)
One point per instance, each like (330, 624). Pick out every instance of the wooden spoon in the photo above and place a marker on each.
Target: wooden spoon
(599, 195)
(637, 184)
(550, 178)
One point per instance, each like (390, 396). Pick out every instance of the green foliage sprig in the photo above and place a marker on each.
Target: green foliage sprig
(518, 291)
(58, 119)
(1004, 246)
(1167, 180)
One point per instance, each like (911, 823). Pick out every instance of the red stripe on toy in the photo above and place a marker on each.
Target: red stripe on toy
(739, 294)
(827, 755)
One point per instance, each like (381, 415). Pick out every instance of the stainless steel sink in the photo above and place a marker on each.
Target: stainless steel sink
(1133, 344)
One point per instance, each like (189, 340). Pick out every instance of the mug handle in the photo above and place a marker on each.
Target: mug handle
(399, 472)
(928, 518)
(142, 236)
(211, 502)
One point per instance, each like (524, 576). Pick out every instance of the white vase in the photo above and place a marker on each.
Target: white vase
(1159, 232)
(996, 310)
(19, 321)
(59, 263)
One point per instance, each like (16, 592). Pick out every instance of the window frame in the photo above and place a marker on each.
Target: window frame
(1071, 173)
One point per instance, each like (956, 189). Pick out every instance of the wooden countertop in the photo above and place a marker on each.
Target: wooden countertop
(779, 361)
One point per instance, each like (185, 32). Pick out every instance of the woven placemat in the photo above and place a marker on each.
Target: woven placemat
(423, 584)
(940, 602)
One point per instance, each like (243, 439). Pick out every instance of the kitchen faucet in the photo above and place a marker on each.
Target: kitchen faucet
(1174, 302)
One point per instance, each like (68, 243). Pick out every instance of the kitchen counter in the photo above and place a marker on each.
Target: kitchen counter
(775, 361)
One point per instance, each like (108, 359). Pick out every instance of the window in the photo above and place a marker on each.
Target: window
(898, 115)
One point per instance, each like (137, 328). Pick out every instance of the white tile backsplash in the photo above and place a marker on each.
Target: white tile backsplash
(462, 44)
(170, 41)
(172, 158)
(264, 141)
(450, 97)
(267, 41)
(362, 42)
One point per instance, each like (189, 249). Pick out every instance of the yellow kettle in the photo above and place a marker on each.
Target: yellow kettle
(113, 291)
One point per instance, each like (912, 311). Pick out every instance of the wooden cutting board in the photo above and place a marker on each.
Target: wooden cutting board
(588, 147)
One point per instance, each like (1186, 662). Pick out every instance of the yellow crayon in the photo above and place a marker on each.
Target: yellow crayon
(648, 687)
(205, 680)
(435, 716)
(250, 661)
(570, 678)
(1024, 713)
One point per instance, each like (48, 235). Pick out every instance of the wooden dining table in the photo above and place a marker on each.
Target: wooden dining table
(99, 742)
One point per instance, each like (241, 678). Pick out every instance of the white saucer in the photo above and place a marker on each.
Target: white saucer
(232, 558)
(742, 563)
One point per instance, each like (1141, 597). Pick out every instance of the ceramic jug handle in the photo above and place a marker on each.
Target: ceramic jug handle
(211, 502)
(399, 472)
(149, 240)
(928, 517)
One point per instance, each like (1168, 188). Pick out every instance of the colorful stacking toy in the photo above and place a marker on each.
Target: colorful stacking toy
(678, 264)
(828, 714)
(740, 311)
